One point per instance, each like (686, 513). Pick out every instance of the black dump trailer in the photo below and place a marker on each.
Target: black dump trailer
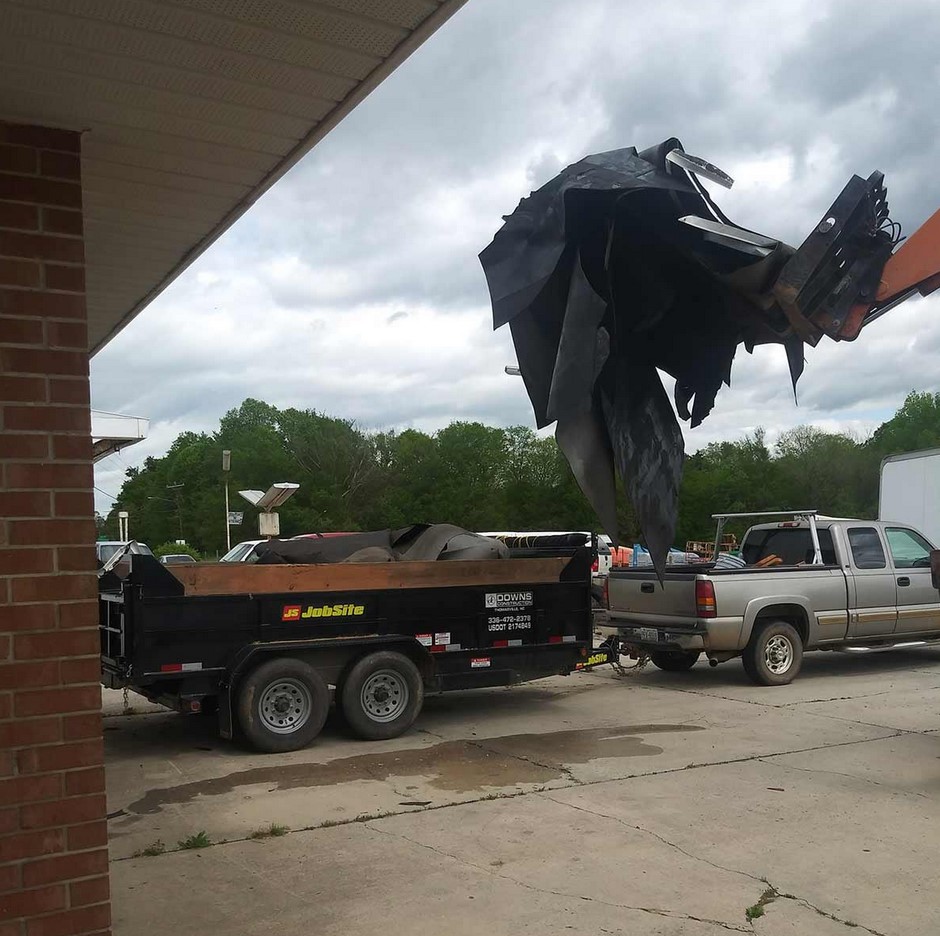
(270, 647)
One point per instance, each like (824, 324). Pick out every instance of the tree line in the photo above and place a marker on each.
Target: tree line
(480, 477)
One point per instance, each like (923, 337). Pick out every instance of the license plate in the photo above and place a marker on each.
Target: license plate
(647, 633)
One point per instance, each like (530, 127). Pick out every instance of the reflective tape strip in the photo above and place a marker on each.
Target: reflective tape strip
(554, 639)
(569, 638)
(515, 643)
(180, 667)
(452, 647)
(500, 643)
(437, 648)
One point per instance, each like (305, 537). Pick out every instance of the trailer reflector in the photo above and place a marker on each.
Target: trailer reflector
(555, 639)
(569, 638)
(180, 667)
(500, 643)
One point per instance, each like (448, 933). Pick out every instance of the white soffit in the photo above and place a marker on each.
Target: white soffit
(190, 111)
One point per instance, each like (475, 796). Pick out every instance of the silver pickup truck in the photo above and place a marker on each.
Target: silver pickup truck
(824, 584)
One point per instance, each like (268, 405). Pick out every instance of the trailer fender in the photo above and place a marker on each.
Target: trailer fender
(347, 647)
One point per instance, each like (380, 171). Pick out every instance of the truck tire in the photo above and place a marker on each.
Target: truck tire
(382, 695)
(282, 705)
(674, 661)
(774, 654)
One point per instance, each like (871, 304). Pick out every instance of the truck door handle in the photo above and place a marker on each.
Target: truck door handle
(904, 580)
(647, 588)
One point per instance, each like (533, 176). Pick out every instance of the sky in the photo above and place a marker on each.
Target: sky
(353, 286)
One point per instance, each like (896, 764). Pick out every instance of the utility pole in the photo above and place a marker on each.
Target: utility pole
(226, 468)
(179, 510)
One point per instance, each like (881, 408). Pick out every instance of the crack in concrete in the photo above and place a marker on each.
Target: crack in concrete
(778, 894)
(527, 885)
(835, 773)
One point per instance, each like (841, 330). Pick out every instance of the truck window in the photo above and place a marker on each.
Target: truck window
(794, 545)
(866, 548)
(909, 550)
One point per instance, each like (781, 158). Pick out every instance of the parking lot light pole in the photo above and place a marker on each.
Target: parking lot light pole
(227, 467)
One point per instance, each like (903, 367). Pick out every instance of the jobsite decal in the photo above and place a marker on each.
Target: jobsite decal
(301, 613)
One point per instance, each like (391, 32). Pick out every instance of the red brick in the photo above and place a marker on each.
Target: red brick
(64, 868)
(40, 191)
(19, 272)
(4, 650)
(74, 447)
(41, 247)
(32, 844)
(81, 893)
(68, 278)
(43, 362)
(10, 879)
(47, 305)
(62, 221)
(30, 675)
(28, 617)
(79, 727)
(60, 165)
(29, 731)
(75, 809)
(74, 504)
(41, 137)
(88, 835)
(49, 701)
(76, 559)
(31, 903)
(24, 446)
(21, 790)
(51, 645)
(79, 782)
(78, 614)
(55, 532)
(14, 561)
(76, 671)
(16, 929)
(18, 159)
(22, 389)
(74, 390)
(89, 920)
(9, 818)
(22, 217)
(67, 335)
(30, 476)
(20, 331)
(24, 503)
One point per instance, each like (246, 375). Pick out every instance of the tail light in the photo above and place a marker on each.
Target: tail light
(705, 599)
(595, 565)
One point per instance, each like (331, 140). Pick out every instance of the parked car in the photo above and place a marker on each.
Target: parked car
(176, 559)
(806, 583)
(107, 548)
(241, 551)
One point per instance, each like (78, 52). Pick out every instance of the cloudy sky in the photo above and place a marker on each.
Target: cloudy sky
(353, 286)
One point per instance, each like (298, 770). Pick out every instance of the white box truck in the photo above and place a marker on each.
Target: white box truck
(910, 491)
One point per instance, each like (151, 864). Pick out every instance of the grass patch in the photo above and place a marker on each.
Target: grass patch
(197, 840)
(272, 831)
(151, 851)
(756, 911)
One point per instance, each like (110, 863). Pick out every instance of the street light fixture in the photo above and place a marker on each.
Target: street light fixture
(267, 502)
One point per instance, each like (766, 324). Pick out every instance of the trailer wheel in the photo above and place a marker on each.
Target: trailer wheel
(282, 705)
(674, 661)
(774, 654)
(382, 695)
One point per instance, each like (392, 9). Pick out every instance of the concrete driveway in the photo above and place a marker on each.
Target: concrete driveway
(647, 803)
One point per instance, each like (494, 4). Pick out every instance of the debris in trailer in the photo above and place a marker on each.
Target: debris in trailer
(623, 265)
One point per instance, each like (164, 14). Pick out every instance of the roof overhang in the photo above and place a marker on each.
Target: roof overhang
(190, 110)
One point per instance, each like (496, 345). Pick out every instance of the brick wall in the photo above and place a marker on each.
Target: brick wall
(53, 833)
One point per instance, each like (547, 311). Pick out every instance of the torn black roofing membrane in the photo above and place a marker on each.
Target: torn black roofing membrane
(621, 265)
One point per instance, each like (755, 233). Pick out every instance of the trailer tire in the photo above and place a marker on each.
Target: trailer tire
(774, 654)
(282, 705)
(674, 661)
(382, 695)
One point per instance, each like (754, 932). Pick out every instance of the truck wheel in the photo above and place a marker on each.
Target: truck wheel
(282, 705)
(674, 661)
(382, 695)
(774, 654)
